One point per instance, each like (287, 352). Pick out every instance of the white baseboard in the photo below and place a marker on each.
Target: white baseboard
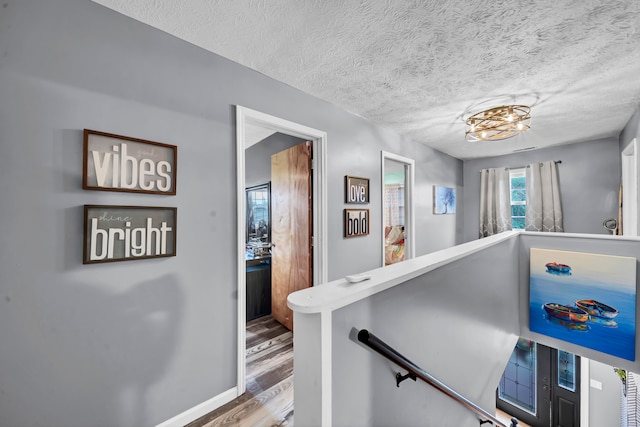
(202, 409)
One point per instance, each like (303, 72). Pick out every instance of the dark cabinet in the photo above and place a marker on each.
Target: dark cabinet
(258, 288)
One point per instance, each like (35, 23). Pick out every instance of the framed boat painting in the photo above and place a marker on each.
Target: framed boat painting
(585, 299)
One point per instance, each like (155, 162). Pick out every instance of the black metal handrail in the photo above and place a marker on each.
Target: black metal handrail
(413, 370)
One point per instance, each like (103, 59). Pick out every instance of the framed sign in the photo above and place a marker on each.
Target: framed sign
(356, 190)
(120, 233)
(119, 163)
(356, 222)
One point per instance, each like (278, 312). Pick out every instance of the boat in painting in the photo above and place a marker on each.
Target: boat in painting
(597, 308)
(566, 312)
(568, 324)
(557, 268)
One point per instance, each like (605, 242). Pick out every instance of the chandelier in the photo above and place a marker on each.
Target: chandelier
(498, 123)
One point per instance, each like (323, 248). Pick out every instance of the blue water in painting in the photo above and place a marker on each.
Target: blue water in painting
(616, 338)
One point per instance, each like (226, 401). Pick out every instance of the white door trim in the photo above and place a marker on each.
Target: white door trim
(630, 189)
(410, 241)
(318, 138)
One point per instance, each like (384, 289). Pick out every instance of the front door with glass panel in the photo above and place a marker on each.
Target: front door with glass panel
(541, 386)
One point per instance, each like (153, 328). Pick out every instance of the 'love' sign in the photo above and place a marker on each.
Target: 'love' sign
(357, 190)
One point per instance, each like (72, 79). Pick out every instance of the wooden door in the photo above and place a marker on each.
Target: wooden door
(291, 228)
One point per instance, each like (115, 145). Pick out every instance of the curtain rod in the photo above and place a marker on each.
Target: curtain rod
(522, 167)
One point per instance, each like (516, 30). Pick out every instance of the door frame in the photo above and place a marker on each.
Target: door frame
(630, 189)
(410, 241)
(246, 116)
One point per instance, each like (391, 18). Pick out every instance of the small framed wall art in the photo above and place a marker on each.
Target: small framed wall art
(120, 233)
(356, 190)
(444, 200)
(356, 222)
(120, 163)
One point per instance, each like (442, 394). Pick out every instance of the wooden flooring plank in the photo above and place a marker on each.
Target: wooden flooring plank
(268, 409)
(265, 347)
(270, 361)
(268, 400)
(265, 335)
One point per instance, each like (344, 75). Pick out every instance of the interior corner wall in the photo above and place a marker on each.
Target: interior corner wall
(136, 343)
(630, 131)
(589, 178)
(605, 399)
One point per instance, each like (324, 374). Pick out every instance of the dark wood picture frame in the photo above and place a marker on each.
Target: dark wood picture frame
(356, 190)
(131, 233)
(356, 222)
(120, 163)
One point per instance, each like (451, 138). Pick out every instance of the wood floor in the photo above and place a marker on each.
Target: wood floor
(506, 418)
(268, 401)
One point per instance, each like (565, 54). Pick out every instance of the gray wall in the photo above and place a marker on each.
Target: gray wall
(605, 403)
(136, 343)
(589, 181)
(630, 131)
(458, 322)
(258, 157)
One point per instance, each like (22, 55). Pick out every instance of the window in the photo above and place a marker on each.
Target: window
(567, 370)
(518, 191)
(518, 383)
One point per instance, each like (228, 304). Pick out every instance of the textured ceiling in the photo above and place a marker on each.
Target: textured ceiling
(420, 67)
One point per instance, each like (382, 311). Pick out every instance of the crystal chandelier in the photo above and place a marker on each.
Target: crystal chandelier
(498, 123)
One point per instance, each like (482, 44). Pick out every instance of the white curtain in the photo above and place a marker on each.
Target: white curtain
(544, 212)
(495, 201)
(630, 404)
(393, 204)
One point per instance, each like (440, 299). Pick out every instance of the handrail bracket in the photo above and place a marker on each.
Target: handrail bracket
(400, 378)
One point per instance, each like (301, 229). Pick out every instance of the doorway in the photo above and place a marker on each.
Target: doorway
(398, 243)
(251, 127)
(541, 386)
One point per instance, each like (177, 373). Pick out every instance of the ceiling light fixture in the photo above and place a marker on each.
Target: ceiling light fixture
(498, 123)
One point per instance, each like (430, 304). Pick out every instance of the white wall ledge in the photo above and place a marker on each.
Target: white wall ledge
(341, 293)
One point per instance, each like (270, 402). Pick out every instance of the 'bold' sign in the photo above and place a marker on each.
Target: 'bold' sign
(119, 163)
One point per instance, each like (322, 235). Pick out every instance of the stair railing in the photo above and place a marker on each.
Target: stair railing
(415, 371)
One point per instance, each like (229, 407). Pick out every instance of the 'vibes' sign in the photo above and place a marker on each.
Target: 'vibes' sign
(118, 163)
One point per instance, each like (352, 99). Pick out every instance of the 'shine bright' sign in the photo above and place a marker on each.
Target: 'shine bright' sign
(118, 233)
(119, 163)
